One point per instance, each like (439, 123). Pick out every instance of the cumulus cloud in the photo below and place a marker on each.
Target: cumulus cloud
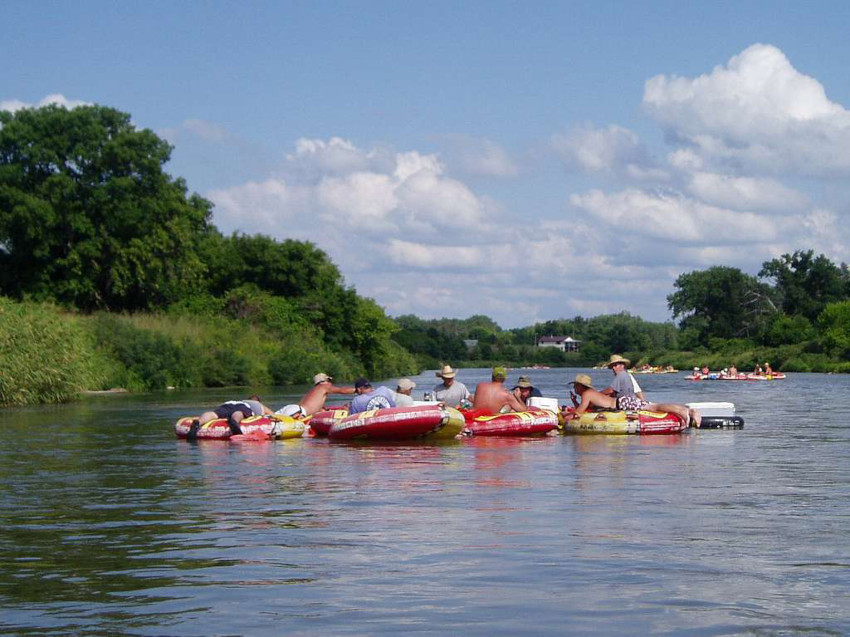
(613, 149)
(672, 217)
(746, 193)
(757, 112)
(55, 98)
(410, 232)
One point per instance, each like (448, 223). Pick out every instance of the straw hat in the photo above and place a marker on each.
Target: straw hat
(524, 381)
(616, 358)
(446, 372)
(583, 379)
(320, 378)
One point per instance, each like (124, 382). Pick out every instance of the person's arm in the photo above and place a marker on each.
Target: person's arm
(341, 390)
(585, 403)
(514, 403)
(266, 410)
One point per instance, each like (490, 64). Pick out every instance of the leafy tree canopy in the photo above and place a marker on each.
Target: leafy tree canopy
(88, 217)
(806, 283)
(720, 302)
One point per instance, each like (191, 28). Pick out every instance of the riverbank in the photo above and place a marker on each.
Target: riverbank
(51, 355)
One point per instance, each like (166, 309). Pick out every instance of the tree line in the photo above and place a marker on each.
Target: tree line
(91, 221)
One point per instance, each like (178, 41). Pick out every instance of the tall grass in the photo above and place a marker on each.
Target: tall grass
(46, 355)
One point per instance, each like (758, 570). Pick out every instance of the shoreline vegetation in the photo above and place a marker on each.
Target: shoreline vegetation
(112, 275)
(53, 355)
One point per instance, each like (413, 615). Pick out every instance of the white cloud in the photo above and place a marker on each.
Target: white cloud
(359, 198)
(746, 193)
(335, 156)
(253, 207)
(417, 255)
(55, 98)
(670, 217)
(757, 112)
(613, 149)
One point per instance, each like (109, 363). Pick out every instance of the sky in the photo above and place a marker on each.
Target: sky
(524, 160)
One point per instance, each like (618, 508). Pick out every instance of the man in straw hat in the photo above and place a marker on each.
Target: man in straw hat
(450, 392)
(524, 390)
(493, 398)
(621, 395)
(314, 400)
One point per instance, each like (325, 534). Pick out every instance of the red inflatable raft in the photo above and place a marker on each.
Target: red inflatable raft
(322, 421)
(273, 427)
(518, 423)
(398, 423)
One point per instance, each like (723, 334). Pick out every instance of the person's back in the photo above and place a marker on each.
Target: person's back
(379, 398)
(493, 397)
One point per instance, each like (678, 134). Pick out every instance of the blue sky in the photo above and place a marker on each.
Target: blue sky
(527, 161)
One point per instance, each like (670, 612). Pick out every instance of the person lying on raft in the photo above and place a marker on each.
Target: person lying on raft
(234, 410)
(493, 398)
(610, 398)
(314, 400)
(368, 399)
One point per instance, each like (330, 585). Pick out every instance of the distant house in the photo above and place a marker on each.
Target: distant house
(470, 342)
(563, 343)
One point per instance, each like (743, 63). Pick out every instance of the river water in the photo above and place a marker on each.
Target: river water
(112, 526)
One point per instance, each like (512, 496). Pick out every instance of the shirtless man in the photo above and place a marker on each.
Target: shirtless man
(314, 400)
(493, 396)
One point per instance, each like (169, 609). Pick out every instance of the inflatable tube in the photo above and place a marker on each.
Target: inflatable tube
(434, 422)
(748, 377)
(774, 376)
(277, 427)
(322, 421)
(517, 423)
(624, 423)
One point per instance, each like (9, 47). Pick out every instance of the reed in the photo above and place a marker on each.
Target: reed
(46, 355)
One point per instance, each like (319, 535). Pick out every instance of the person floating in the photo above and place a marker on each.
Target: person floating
(621, 395)
(524, 390)
(314, 400)
(403, 393)
(234, 410)
(368, 399)
(492, 396)
(450, 392)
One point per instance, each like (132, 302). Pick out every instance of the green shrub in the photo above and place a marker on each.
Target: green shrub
(152, 360)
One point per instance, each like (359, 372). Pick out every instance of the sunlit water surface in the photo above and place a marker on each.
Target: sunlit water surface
(110, 525)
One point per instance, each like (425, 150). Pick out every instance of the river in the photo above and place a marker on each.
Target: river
(112, 526)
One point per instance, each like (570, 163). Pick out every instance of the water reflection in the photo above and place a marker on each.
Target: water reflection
(111, 525)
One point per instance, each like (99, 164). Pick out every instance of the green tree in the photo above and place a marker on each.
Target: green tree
(834, 324)
(88, 217)
(721, 302)
(806, 283)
